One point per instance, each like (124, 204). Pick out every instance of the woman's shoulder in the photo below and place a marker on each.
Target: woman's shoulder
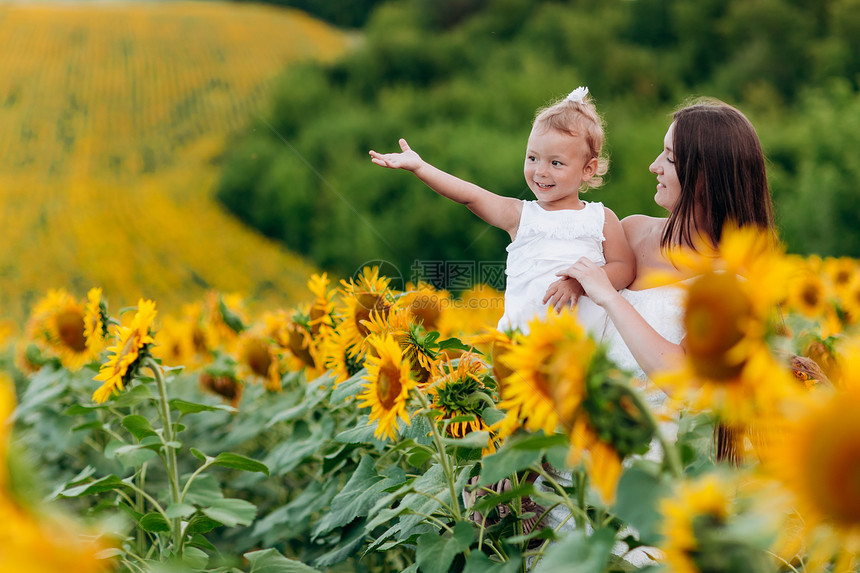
(636, 225)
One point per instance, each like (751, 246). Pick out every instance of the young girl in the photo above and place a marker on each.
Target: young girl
(562, 159)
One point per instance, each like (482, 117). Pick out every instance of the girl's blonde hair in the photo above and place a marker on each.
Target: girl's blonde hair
(578, 118)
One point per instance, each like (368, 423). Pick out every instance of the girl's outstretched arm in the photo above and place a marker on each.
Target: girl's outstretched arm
(653, 352)
(497, 210)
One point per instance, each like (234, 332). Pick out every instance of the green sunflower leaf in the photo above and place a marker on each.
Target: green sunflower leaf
(478, 562)
(239, 462)
(271, 561)
(107, 483)
(579, 553)
(364, 488)
(186, 407)
(139, 426)
(436, 552)
(154, 522)
(231, 511)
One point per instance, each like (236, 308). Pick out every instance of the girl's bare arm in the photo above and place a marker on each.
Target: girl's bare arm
(497, 210)
(620, 265)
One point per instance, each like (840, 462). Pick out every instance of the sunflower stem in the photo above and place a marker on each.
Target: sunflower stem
(443, 459)
(578, 509)
(172, 469)
(138, 507)
(670, 453)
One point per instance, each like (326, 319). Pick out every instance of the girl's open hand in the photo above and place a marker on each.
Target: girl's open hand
(407, 159)
(593, 279)
(563, 292)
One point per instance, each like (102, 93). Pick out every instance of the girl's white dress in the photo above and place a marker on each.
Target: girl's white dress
(548, 242)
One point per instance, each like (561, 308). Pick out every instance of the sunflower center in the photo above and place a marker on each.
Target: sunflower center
(427, 308)
(843, 277)
(299, 346)
(70, 328)
(810, 295)
(368, 303)
(258, 357)
(834, 468)
(316, 316)
(198, 340)
(716, 310)
(388, 385)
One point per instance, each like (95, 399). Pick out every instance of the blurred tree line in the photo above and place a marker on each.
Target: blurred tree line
(461, 79)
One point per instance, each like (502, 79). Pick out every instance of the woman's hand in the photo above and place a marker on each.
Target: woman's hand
(407, 159)
(593, 280)
(563, 292)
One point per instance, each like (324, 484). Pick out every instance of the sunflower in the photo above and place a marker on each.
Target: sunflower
(132, 346)
(95, 321)
(808, 294)
(402, 325)
(226, 319)
(38, 542)
(322, 308)
(223, 384)
(732, 298)
(849, 300)
(185, 339)
(814, 452)
(697, 510)
(602, 461)
(336, 354)
(388, 387)
(458, 391)
(475, 310)
(7, 331)
(547, 381)
(292, 333)
(203, 338)
(174, 342)
(426, 304)
(66, 331)
(840, 271)
(259, 359)
(361, 301)
(747, 252)
(755, 386)
(58, 327)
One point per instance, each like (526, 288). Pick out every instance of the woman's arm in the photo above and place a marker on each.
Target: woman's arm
(652, 352)
(497, 210)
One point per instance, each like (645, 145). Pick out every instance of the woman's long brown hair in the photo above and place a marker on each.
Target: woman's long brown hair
(721, 169)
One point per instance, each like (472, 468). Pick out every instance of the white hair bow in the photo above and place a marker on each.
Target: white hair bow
(577, 95)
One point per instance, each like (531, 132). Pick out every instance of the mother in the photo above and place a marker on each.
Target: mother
(711, 172)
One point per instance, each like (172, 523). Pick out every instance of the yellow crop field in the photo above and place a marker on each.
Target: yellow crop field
(111, 115)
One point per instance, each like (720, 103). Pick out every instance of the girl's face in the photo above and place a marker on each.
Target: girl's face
(556, 165)
(668, 186)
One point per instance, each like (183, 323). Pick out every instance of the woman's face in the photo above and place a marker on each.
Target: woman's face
(668, 186)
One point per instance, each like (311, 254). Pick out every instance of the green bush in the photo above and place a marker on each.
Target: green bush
(463, 91)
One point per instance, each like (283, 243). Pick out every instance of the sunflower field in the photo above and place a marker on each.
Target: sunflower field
(375, 429)
(113, 117)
